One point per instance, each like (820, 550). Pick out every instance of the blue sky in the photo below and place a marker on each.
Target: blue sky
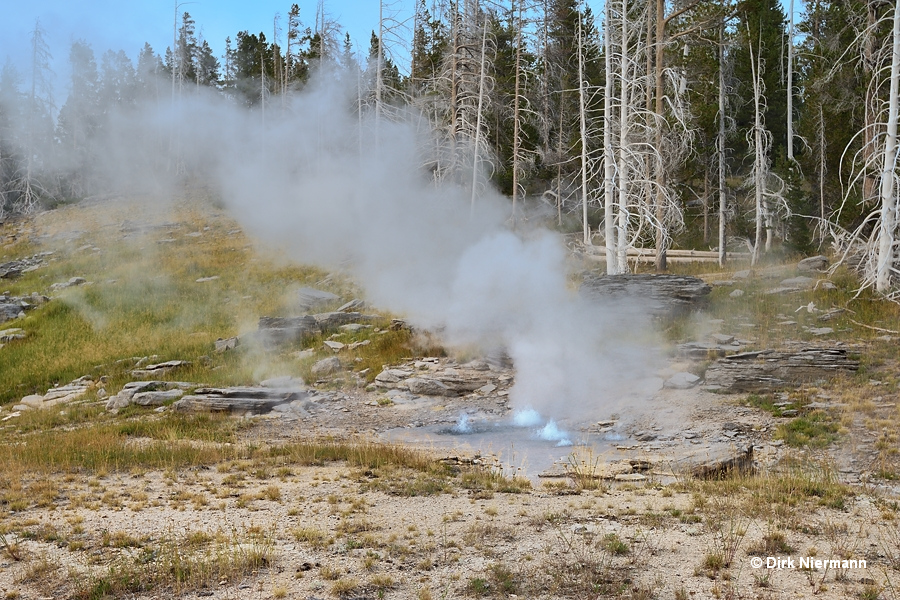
(118, 25)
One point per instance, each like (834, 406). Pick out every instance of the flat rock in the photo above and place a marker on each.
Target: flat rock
(327, 366)
(223, 345)
(33, 401)
(801, 282)
(392, 375)
(157, 398)
(336, 346)
(813, 263)
(663, 294)
(308, 298)
(254, 400)
(9, 335)
(767, 371)
(159, 368)
(424, 386)
(736, 293)
(681, 381)
(276, 331)
(354, 305)
(333, 320)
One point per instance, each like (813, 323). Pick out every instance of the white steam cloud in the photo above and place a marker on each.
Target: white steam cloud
(340, 191)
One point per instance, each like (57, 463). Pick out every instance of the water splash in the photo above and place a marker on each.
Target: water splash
(552, 433)
(463, 424)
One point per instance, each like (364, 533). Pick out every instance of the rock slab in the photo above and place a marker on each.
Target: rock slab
(768, 371)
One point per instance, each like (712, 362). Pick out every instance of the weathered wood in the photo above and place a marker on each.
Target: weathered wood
(660, 294)
(741, 462)
(767, 371)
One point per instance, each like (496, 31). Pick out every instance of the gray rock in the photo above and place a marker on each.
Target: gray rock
(333, 320)
(205, 279)
(800, 281)
(157, 398)
(427, 387)
(681, 381)
(392, 375)
(721, 338)
(327, 366)
(9, 335)
(253, 400)
(736, 293)
(159, 368)
(332, 345)
(743, 274)
(660, 294)
(767, 371)
(353, 327)
(310, 298)
(820, 330)
(223, 345)
(813, 263)
(354, 305)
(277, 331)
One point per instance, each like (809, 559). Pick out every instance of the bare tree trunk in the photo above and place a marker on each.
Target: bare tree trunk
(661, 234)
(622, 226)
(888, 222)
(516, 128)
(477, 149)
(758, 157)
(609, 166)
(790, 86)
(721, 146)
(582, 109)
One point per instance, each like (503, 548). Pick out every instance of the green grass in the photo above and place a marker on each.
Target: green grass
(814, 430)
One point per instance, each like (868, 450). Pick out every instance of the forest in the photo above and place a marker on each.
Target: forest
(688, 124)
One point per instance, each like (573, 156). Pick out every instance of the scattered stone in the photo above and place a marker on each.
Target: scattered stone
(353, 327)
(663, 294)
(791, 412)
(277, 331)
(397, 325)
(33, 401)
(392, 375)
(336, 346)
(721, 338)
(327, 366)
(830, 315)
(9, 335)
(159, 368)
(15, 268)
(427, 387)
(205, 279)
(743, 274)
(157, 398)
(487, 389)
(767, 371)
(223, 345)
(354, 305)
(333, 320)
(252, 400)
(801, 282)
(356, 345)
(681, 381)
(826, 285)
(309, 298)
(74, 281)
(820, 330)
(132, 389)
(736, 293)
(813, 263)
